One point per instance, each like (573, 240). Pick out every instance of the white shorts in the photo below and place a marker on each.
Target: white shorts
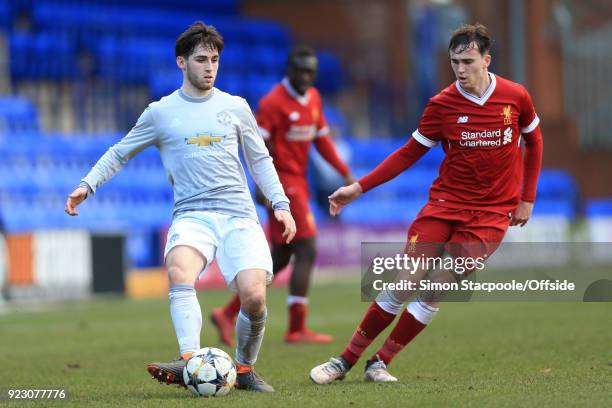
(238, 243)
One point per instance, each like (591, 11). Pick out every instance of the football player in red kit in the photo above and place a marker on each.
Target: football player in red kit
(485, 185)
(291, 118)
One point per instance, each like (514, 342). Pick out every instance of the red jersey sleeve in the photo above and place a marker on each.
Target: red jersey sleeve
(429, 132)
(327, 149)
(532, 158)
(532, 162)
(528, 119)
(266, 118)
(321, 122)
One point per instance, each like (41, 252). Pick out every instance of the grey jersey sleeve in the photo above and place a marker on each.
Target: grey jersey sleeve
(259, 161)
(139, 138)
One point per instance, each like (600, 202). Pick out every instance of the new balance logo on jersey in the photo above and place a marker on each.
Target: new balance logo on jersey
(462, 119)
(507, 136)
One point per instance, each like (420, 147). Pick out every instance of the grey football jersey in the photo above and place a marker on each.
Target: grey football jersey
(198, 139)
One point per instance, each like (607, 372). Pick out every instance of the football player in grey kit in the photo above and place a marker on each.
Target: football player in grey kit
(198, 130)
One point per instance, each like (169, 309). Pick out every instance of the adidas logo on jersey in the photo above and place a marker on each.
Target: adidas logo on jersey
(462, 119)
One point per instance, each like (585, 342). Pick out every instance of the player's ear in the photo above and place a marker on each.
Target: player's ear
(487, 60)
(180, 62)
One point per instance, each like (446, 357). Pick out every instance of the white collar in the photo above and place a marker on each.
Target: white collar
(485, 97)
(302, 99)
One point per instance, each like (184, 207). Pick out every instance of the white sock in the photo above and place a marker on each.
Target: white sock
(291, 300)
(388, 302)
(186, 317)
(422, 311)
(249, 335)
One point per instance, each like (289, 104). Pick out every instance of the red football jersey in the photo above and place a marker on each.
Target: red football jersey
(483, 167)
(289, 123)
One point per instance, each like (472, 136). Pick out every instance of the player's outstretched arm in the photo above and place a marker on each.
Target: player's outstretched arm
(74, 199)
(343, 196)
(286, 219)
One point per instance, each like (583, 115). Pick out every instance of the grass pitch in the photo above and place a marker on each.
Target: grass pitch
(473, 354)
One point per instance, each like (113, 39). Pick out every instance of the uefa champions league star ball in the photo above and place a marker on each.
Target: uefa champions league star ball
(210, 372)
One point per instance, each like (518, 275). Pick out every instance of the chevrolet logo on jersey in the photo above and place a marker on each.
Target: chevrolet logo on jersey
(204, 139)
(507, 112)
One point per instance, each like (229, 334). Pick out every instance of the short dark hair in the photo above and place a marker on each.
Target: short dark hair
(300, 51)
(467, 34)
(198, 33)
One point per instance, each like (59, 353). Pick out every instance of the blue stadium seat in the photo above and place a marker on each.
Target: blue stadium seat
(257, 87)
(368, 153)
(331, 78)
(45, 55)
(17, 116)
(234, 61)
(6, 15)
(234, 84)
(432, 159)
(84, 22)
(381, 213)
(337, 121)
(270, 60)
(265, 32)
(132, 59)
(163, 82)
(546, 207)
(557, 184)
(599, 208)
(216, 7)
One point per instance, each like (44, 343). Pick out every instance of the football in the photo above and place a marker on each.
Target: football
(210, 372)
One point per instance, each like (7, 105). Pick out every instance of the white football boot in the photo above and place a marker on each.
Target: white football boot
(376, 371)
(326, 373)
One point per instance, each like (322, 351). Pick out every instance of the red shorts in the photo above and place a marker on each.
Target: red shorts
(296, 189)
(460, 232)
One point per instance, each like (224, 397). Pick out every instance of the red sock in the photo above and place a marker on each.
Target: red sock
(232, 308)
(297, 317)
(406, 329)
(374, 322)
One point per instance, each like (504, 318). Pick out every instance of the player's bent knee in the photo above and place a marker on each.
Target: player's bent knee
(251, 287)
(184, 264)
(253, 304)
(179, 276)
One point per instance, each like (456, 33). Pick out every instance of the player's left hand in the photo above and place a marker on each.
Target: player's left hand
(286, 219)
(522, 214)
(74, 199)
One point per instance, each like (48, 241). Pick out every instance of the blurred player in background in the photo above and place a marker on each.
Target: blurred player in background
(485, 185)
(290, 118)
(198, 130)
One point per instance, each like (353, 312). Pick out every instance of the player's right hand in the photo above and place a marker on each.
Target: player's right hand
(75, 198)
(343, 196)
(285, 218)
